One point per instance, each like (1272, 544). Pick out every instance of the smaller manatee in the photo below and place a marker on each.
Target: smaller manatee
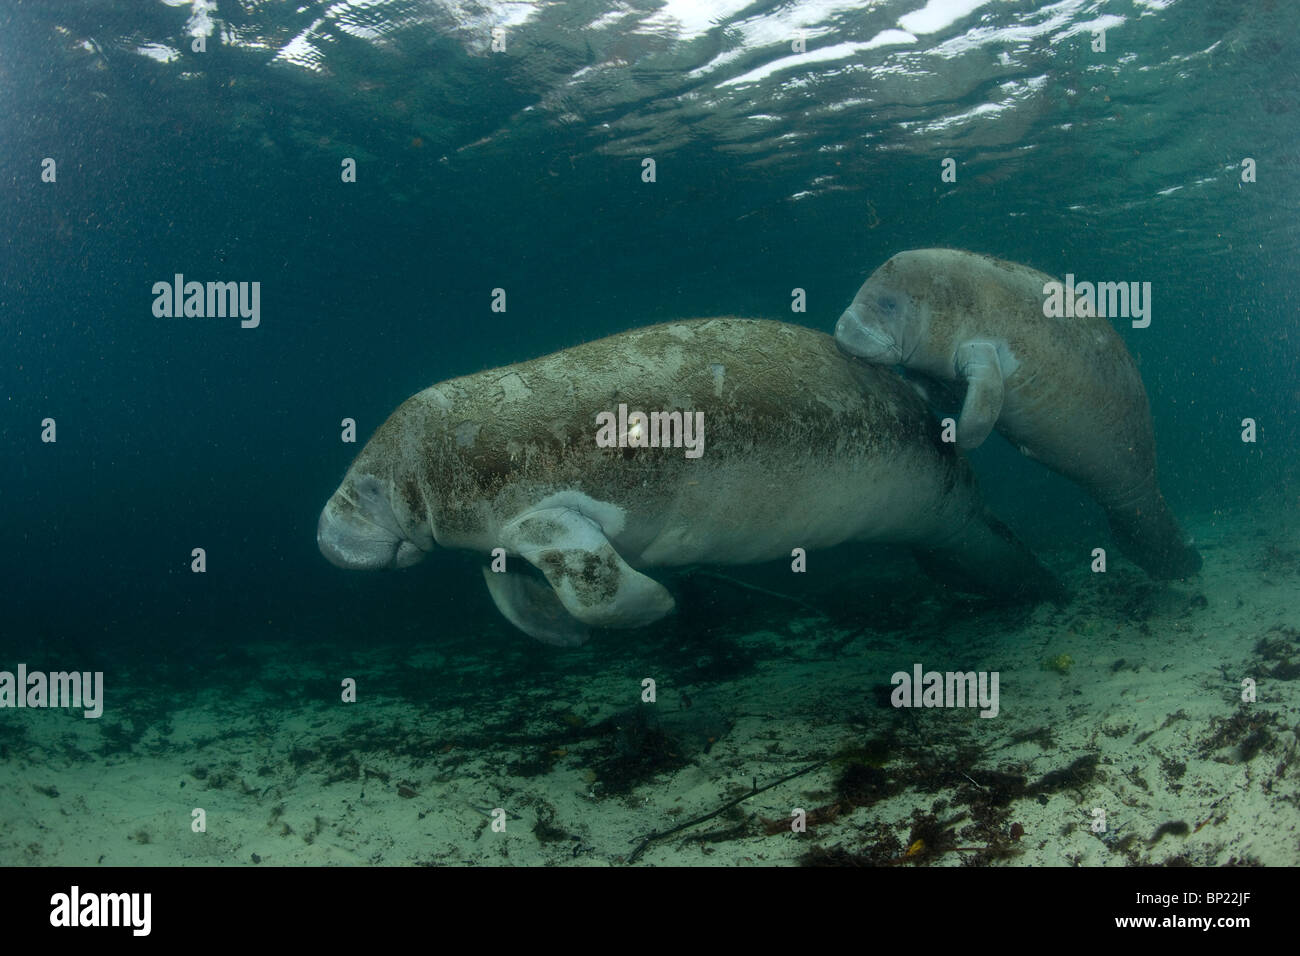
(1065, 391)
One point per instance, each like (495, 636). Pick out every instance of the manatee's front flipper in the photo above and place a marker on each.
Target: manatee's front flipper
(977, 363)
(533, 608)
(588, 576)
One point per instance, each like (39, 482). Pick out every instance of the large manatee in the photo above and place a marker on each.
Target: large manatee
(791, 444)
(1065, 391)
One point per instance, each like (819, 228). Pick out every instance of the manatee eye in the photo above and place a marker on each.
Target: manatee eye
(887, 304)
(369, 489)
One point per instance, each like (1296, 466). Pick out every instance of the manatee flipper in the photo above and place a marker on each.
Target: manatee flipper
(533, 608)
(977, 363)
(986, 557)
(590, 579)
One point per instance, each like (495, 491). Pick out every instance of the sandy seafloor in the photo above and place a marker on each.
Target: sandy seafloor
(1146, 723)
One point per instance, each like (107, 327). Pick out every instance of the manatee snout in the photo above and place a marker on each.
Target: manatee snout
(863, 331)
(358, 529)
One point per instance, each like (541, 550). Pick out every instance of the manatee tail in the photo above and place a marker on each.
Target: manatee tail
(986, 557)
(1149, 536)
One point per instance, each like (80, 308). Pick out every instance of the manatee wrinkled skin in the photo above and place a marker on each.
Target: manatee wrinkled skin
(1065, 391)
(804, 448)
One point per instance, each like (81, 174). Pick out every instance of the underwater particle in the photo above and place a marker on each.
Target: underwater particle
(917, 848)
(406, 792)
(1061, 663)
(1017, 831)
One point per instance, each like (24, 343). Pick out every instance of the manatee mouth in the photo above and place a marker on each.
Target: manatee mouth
(351, 540)
(860, 338)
